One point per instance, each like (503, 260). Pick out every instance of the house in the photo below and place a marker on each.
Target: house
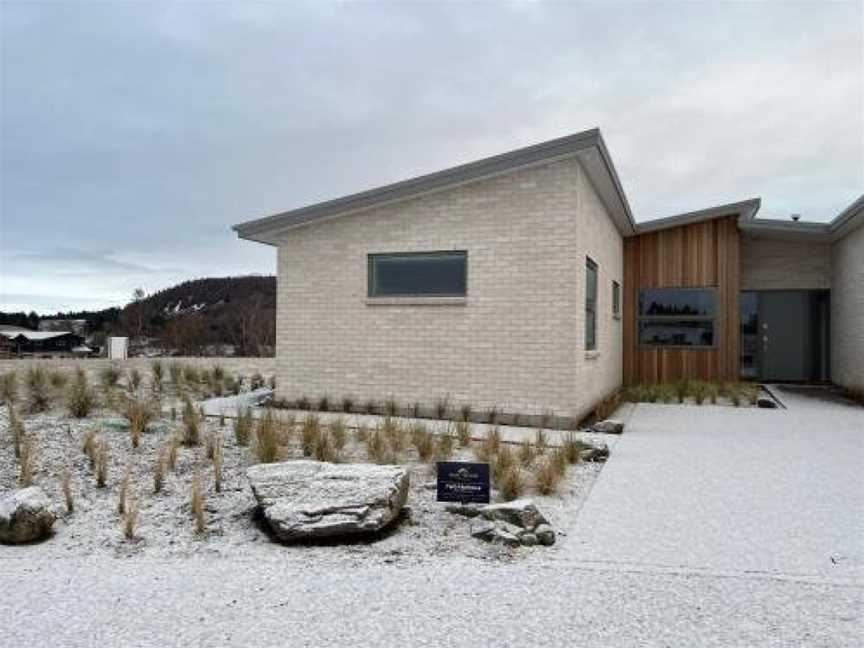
(24, 342)
(522, 282)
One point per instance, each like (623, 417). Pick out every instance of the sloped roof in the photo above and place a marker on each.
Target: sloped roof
(587, 146)
(34, 335)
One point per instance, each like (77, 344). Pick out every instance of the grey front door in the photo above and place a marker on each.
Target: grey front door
(793, 335)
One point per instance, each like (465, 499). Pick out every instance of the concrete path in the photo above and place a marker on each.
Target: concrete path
(725, 490)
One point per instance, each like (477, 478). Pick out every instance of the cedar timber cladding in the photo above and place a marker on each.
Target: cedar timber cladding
(704, 254)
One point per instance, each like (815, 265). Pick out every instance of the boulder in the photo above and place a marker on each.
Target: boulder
(25, 515)
(308, 500)
(545, 534)
(609, 426)
(595, 453)
(501, 533)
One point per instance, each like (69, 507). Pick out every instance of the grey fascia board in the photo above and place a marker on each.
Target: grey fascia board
(564, 147)
(848, 219)
(745, 209)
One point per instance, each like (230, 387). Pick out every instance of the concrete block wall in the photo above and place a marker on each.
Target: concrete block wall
(791, 265)
(515, 343)
(847, 310)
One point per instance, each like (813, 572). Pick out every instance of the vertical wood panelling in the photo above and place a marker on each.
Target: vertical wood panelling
(689, 256)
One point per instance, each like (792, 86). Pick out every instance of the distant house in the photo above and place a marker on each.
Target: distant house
(24, 342)
(522, 282)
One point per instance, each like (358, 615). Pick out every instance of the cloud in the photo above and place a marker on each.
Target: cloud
(138, 133)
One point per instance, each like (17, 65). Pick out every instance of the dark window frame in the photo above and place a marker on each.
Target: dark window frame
(591, 303)
(661, 319)
(616, 299)
(370, 275)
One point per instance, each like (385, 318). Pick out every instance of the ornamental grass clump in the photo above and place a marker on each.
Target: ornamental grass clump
(540, 441)
(175, 373)
(463, 433)
(492, 415)
(81, 398)
(121, 496)
(157, 372)
(423, 442)
(191, 424)
(502, 461)
(391, 407)
(66, 487)
(130, 518)
(465, 412)
(442, 406)
(134, 380)
(159, 470)
(191, 376)
(139, 412)
(89, 446)
(338, 434)
(511, 483)
(26, 461)
(699, 389)
(57, 379)
(526, 453)
(16, 431)
(197, 505)
(243, 426)
(310, 431)
(547, 475)
(444, 446)
(347, 404)
(370, 407)
(171, 450)
(267, 439)
(324, 449)
(38, 396)
(218, 460)
(572, 448)
(395, 434)
(682, 390)
(9, 388)
(101, 464)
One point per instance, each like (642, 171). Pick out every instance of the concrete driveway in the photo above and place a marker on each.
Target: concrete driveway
(736, 491)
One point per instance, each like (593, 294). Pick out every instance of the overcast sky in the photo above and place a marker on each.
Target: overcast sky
(134, 135)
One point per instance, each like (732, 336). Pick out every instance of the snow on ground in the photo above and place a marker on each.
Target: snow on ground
(166, 527)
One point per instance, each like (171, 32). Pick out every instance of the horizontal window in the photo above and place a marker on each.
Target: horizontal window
(415, 274)
(676, 333)
(699, 302)
(676, 317)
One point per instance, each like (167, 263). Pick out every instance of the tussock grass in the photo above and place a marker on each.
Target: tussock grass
(572, 448)
(101, 464)
(378, 449)
(175, 372)
(324, 449)
(526, 453)
(463, 433)
(66, 487)
(80, 398)
(157, 371)
(26, 461)
(197, 505)
(89, 446)
(338, 434)
(38, 396)
(370, 406)
(540, 441)
(303, 403)
(492, 415)
(444, 446)
(486, 449)
(57, 378)
(415, 409)
(159, 466)
(134, 380)
(423, 442)
(511, 484)
(139, 413)
(16, 431)
(191, 424)
(267, 439)
(191, 376)
(465, 412)
(347, 404)
(218, 460)
(310, 431)
(171, 450)
(395, 434)
(361, 433)
(682, 390)
(122, 493)
(243, 426)
(502, 462)
(324, 404)
(130, 518)
(547, 475)
(9, 388)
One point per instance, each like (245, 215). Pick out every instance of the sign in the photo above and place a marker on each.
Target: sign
(463, 481)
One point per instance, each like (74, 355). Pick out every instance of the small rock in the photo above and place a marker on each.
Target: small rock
(528, 539)
(609, 426)
(764, 402)
(523, 513)
(483, 530)
(595, 453)
(25, 515)
(463, 509)
(506, 538)
(545, 535)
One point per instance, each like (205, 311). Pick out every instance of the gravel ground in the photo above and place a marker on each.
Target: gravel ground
(165, 521)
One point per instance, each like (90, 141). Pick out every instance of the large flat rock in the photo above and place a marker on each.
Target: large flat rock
(307, 500)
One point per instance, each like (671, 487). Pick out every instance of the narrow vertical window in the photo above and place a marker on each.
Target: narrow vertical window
(616, 299)
(590, 305)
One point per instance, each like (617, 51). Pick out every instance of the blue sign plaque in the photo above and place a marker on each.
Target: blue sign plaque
(463, 481)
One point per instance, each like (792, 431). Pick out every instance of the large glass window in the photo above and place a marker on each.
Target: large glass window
(676, 317)
(590, 305)
(427, 274)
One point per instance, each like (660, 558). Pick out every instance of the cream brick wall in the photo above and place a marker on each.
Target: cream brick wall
(847, 310)
(777, 265)
(517, 342)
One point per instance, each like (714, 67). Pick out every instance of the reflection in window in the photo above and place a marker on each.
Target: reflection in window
(676, 317)
(432, 274)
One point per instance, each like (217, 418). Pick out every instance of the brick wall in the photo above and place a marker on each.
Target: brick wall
(516, 342)
(847, 310)
(777, 265)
